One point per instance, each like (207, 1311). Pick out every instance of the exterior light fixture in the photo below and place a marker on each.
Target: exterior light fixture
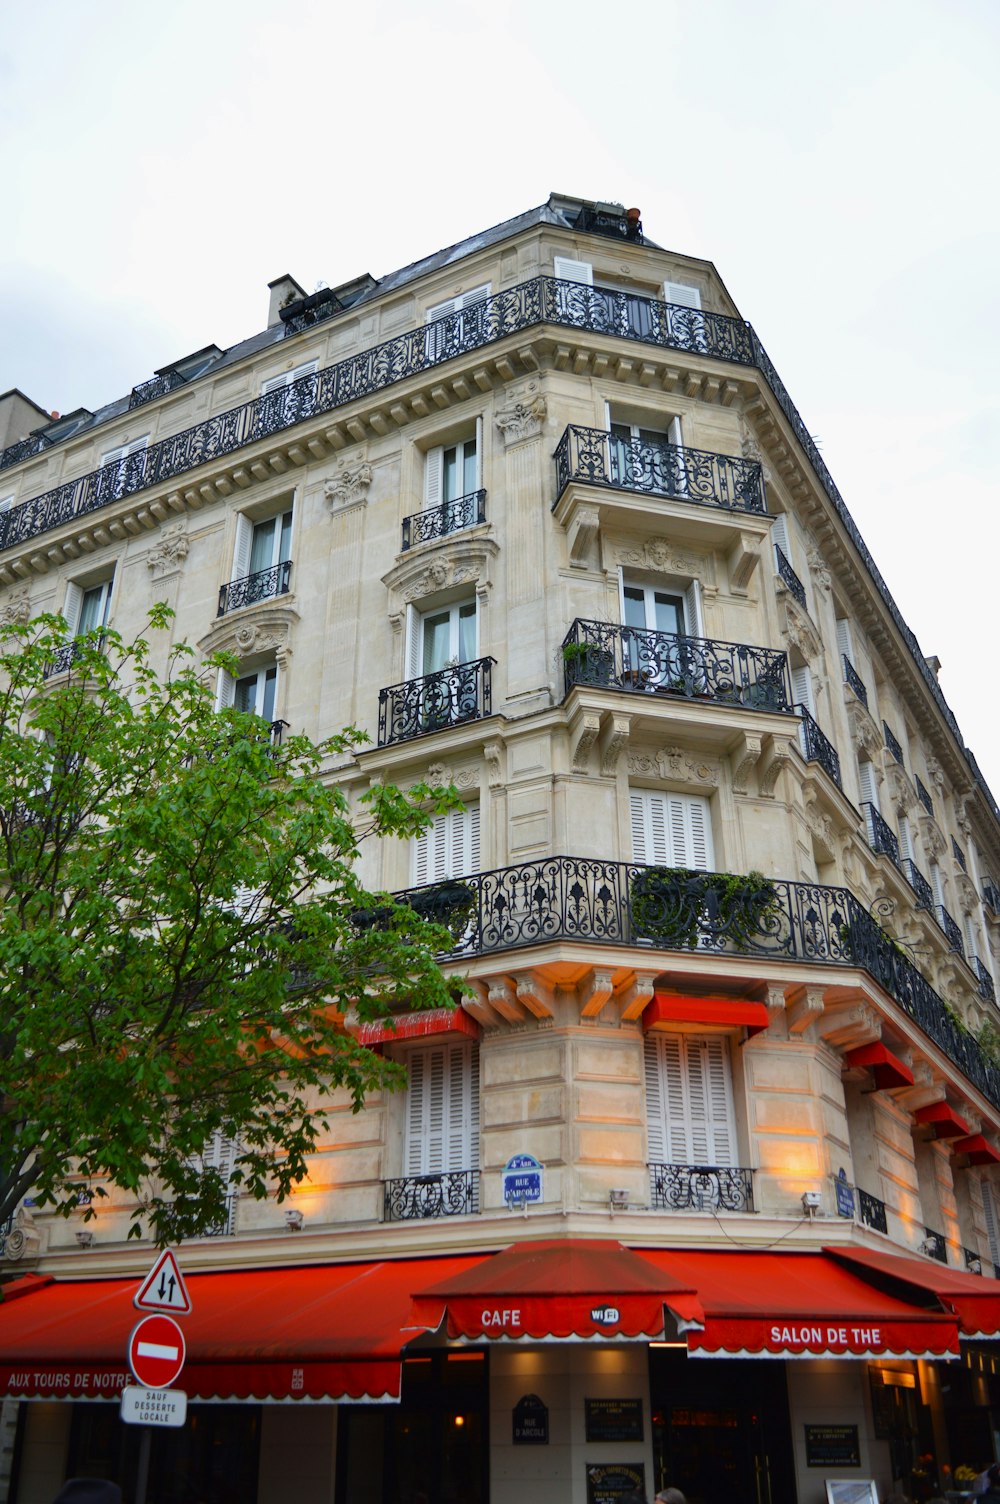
(811, 1202)
(84, 1236)
(618, 1199)
(294, 1219)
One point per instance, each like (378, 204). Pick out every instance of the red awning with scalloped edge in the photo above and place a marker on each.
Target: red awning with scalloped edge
(973, 1299)
(677, 1008)
(886, 1068)
(417, 1026)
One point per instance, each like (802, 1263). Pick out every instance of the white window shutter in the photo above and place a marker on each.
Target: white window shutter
(689, 1100)
(937, 886)
(655, 1118)
(802, 689)
(692, 610)
(448, 848)
(992, 1220)
(675, 433)
(415, 1098)
(905, 844)
(442, 1110)
(72, 607)
(225, 690)
(721, 1135)
(671, 830)
(244, 543)
(441, 310)
(869, 785)
(474, 295)
(411, 655)
(682, 294)
(676, 1099)
(779, 535)
(273, 384)
(433, 476)
(568, 270)
(479, 452)
(845, 640)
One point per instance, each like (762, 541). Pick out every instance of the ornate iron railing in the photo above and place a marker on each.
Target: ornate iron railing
(594, 457)
(871, 1211)
(698, 1188)
(952, 930)
(984, 981)
(958, 854)
(158, 386)
(973, 1261)
(919, 884)
(790, 578)
(892, 744)
(602, 222)
(437, 522)
(264, 585)
(991, 897)
(452, 1193)
(225, 1227)
(881, 837)
(935, 1245)
(462, 692)
(23, 449)
(641, 661)
(923, 794)
(540, 300)
(305, 312)
(817, 746)
(588, 901)
(854, 681)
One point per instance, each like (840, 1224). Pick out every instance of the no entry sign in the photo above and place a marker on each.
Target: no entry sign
(156, 1351)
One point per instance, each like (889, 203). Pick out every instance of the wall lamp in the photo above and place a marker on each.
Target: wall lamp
(618, 1199)
(84, 1236)
(294, 1219)
(811, 1202)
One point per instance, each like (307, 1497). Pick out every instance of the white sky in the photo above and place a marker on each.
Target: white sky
(837, 162)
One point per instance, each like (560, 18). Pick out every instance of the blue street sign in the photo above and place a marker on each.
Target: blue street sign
(522, 1179)
(845, 1194)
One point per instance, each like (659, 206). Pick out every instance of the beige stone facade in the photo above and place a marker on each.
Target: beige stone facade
(584, 444)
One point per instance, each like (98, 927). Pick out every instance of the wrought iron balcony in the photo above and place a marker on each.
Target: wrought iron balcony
(587, 901)
(603, 222)
(919, 884)
(790, 578)
(871, 1211)
(437, 522)
(158, 386)
(923, 794)
(951, 929)
(594, 457)
(699, 1188)
(973, 1261)
(304, 312)
(881, 837)
(225, 1227)
(450, 697)
(264, 585)
(817, 746)
(984, 981)
(991, 897)
(935, 1245)
(23, 449)
(640, 661)
(451, 1193)
(958, 854)
(892, 744)
(854, 681)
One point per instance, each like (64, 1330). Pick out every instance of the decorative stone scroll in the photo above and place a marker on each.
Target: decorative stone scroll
(349, 487)
(674, 765)
(16, 610)
(167, 557)
(522, 420)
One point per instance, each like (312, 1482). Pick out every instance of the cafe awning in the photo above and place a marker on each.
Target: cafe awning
(974, 1300)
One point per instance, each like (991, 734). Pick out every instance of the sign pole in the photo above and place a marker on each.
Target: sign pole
(142, 1472)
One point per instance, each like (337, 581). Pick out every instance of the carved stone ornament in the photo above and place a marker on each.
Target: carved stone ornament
(264, 631)
(493, 753)
(523, 420)
(821, 577)
(443, 773)
(583, 735)
(936, 774)
(744, 760)
(751, 450)
(673, 765)
(901, 791)
(864, 732)
(797, 626)
(933, 841)
(167, 556)
(349, 487)
(16, 610)
(453, 561)
(821, 826)
(968, 898)
(662, 557)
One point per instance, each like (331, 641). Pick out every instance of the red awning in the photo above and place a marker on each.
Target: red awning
(330, 1332)
(798, 1305)
(417, 1026)
(973, 1299)
(887, 1068)
(977, 1149)
(557, 1288)
(943, 1119)
(677, 1008)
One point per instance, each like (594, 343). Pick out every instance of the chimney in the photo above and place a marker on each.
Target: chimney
(283, 290)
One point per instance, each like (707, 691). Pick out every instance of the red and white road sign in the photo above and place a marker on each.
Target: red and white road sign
(156, 1351)
(163, 1289)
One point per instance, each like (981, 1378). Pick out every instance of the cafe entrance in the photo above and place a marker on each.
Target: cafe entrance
(721, 1428)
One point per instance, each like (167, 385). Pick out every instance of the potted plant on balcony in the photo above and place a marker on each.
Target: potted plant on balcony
(684, 908)
(588, 663)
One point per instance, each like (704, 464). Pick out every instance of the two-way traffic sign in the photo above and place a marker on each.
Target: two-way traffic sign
(163, 1289)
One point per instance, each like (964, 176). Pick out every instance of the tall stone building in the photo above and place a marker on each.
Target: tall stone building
(698, 1186)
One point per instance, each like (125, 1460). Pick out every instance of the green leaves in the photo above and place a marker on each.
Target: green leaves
(177, 950)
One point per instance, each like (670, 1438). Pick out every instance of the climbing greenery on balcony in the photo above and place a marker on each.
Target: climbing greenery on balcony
(683, 908)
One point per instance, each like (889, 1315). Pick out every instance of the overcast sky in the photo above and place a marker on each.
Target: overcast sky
(837, 163)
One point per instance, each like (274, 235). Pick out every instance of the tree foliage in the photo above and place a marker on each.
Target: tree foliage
(177, 951)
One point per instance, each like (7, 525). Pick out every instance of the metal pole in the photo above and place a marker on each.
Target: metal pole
(142, 1473)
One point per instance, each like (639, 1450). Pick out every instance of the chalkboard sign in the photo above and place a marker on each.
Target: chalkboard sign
(607, 1482)
(832, 1446)
(613, 1420)
(531, 1422)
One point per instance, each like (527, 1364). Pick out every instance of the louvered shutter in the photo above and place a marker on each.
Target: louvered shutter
(676, 1106)
(273, 384)
(713, 1063)
(442, 1110)
(681, 293)
(225, 690)
(689, 1096)
(905, 843)
(779, 535)
(479, 452)
(415, 1099)
(671, 830)
(845, 641)
(448, 848)
(411, 656)
(992, 1221)
(937, 887)
(568, 270)
(656, 1140)
(692, 610)
(241, 551)
(433, 477)
(802, 689)
(869, 785)
(72, 607)
(219, 1154)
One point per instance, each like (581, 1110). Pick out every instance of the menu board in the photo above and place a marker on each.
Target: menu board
(613, 1420)
(607, 1482)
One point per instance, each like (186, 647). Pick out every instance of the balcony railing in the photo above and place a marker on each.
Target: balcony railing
(923, 794)
(225, 1227)
(892, 744)
(984, 981)
(640, 661)
(587, 901)
(854, 681)
(958, 854)
(952, 930)
(451, 1193)
(450, 697)
(594, 457)
(973, 1261)
(991, 897)
(817, 746)
(437, 522)
(159, 386)
(881, 837)
(871, 1211)
(790, 578)
(935, 1245)
(314, 309)
(264, 585)
(699, 1188)
(919, 884)
(602, 222)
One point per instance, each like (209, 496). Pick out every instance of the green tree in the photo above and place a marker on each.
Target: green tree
(177, 948)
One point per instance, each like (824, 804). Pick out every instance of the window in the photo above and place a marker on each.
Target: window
(253, 693)
(87, 610)
(442, 1109)
(6, 502)
(261, 559)
(284, 400)
(126, 467)
(689, 1101)
(647, 459)
(220, 1154)
(454, 470)
(991, 1216)
(671, 613)
(448, 848)
(868, 783)
(441, 638)
(456, 324)
(671, 830)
